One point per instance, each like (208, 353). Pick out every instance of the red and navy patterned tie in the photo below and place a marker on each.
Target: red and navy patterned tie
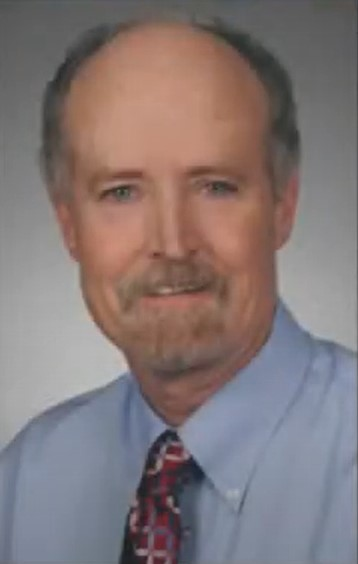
(153, 529)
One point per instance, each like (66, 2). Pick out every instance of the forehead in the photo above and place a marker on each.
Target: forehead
(167, 79)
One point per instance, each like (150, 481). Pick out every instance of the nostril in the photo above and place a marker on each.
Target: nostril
(172, 242)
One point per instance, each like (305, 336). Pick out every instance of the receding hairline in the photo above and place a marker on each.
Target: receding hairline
(142, 35)
(260, 60)
(137, 31)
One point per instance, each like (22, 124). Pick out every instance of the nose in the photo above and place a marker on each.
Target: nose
(172, 231)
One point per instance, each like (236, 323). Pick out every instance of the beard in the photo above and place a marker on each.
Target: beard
(166, 339)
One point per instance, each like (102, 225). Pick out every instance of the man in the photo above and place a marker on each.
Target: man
(170, 153)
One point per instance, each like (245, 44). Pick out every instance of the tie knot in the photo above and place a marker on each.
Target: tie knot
(169, 466)
(167, 457)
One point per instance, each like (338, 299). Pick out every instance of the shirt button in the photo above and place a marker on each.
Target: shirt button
(186, 532)
(232, 495)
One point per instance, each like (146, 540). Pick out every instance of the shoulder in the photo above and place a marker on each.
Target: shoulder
(333, 382)
(65, 420)
(336, 366)
(56, 448)
(334, 428)
(324, 410)
(329, 373)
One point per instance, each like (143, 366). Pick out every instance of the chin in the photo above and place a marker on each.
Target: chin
(172, 358)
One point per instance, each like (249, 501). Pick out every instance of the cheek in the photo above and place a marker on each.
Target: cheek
(108, 242)
(241, 240)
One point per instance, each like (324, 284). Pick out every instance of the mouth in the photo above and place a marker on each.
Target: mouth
(167, 291)
(177, 296)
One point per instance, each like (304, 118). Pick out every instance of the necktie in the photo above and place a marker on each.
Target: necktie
(153, 527)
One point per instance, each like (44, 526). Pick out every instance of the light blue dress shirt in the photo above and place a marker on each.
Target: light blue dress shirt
(276, 445)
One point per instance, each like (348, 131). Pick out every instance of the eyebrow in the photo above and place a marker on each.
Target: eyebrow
(219, 168)
(108, 173)
(112, 173)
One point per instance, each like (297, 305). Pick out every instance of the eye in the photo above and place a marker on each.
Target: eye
(220, 188)
(120, 193)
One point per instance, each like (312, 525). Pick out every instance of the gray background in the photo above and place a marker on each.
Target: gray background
(49, 348)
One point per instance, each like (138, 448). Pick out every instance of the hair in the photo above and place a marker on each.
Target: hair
(284, 136)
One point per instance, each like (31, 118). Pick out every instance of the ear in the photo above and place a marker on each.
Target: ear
(67, 221)
(285, 211)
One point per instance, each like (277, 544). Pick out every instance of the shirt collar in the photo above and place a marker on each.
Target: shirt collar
(228, 433)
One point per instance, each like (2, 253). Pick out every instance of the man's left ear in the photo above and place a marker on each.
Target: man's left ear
(65, 217)
(285, 211)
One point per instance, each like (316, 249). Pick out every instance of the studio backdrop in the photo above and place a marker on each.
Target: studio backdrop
(49, 347)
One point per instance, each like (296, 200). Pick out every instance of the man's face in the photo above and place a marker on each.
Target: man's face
(172, 216)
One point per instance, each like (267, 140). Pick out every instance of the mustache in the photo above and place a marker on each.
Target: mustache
(172, 274)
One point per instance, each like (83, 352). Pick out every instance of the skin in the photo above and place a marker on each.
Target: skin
(166, 129)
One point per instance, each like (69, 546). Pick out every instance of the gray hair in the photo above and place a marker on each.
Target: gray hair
(284, 137)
